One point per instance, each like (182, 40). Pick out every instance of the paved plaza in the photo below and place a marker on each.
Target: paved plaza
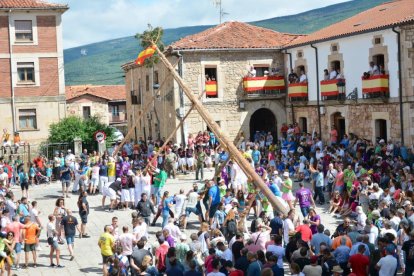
(87, 254)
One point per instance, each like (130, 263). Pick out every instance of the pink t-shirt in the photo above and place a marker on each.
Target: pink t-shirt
(340, 179)
(126, 240)
(16, 228)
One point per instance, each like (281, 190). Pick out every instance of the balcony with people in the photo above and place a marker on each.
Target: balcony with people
(375, 81)
(259, 83)
(298, 85)
(211, 87)
(333, 83)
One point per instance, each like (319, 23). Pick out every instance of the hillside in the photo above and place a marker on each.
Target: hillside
(101, 64)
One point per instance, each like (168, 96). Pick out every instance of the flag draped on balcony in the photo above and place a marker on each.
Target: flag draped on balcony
(147, 53)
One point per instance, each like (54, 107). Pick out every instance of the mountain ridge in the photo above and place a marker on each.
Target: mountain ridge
(83, 62)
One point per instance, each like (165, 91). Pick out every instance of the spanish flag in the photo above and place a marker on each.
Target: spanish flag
(147, 53)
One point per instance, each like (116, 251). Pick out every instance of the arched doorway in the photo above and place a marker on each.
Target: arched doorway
(263, 120)
(338, 121)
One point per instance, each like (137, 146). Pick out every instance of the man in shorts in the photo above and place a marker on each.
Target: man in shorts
(113, 189)
(65, 177)
(106, 243)
(32, 233)
(53, 242)
(70, 224)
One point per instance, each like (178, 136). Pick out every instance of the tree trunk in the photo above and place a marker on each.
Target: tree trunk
(233, 151)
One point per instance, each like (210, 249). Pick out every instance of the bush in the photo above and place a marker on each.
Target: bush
(71, 127)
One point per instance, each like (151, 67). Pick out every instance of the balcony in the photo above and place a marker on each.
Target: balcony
(258, 87)
(211, 89)
(375, 87)
(333, 89)
(120, 118)
(298, 92)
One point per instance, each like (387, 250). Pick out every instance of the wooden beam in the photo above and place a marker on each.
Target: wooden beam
(233, 151)
(173, 133)
(138, 116)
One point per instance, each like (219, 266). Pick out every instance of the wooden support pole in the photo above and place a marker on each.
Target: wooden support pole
(224, 163)
(172, 134)
(139, 116)
(233, 151)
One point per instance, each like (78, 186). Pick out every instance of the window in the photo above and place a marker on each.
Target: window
(336, 65)
(381, 129)
(86, 112)
(334, 48)
(303, 124)
(156, 78)
(210, 74)
(27, 119)
(299, 70)
(115, 110)
(147, 83)
(379, 60)
(260, 70)
(25, 72)
(377, 40)
(23, 30)
(300, 54)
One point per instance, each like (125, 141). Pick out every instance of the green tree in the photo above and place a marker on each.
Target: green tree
(71, 127)
(152, 35)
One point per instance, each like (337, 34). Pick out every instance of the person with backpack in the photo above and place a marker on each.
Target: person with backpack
(230, 225)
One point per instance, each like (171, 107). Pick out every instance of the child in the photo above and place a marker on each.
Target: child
(49, 171)
(32, 173)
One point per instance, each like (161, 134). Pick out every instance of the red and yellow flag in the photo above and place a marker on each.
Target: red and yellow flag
(147, 53)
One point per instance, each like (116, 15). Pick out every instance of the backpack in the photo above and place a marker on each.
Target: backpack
(231, 228)
(253, 226)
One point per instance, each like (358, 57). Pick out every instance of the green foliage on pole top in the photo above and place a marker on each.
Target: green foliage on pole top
(71, 127)
(147, 38)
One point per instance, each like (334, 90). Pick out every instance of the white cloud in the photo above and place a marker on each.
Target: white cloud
(96, 20)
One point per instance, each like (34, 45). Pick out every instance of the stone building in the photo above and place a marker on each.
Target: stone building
(377, 107)
(32, 83)
(108, 102)
(214, 63)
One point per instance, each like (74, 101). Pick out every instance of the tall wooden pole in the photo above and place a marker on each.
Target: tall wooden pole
(172, 134)
(233, 151)
(139, 116)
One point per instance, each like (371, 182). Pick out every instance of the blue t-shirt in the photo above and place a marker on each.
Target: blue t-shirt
(276, 224)
(275, 189)
(167, 202)
(214, 193)
(23, 177)
(103, 170)
(256, 156)
(65, 173)
(48, 172)
(254, 268)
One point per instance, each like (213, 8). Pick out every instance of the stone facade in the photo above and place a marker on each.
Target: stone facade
(407, 57)
(231, 67)
(98, 107)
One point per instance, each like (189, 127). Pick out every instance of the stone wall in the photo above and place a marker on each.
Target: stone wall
(98, 107)
(359, 118)
(407, 57)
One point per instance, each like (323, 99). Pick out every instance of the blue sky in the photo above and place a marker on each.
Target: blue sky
(89, 21)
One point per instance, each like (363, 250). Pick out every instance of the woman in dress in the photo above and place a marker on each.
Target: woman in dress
(59, 213)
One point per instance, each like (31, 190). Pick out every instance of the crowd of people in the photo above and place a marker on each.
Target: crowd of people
(365, 185)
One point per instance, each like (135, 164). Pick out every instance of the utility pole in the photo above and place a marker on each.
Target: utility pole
(222, 13)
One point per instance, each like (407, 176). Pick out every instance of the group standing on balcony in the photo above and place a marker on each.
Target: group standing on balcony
(374, 70)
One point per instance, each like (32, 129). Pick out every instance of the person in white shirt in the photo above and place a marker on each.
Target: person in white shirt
(173, 229)
(224, 252)
(288, 226)
(4, 178)
(127, 241)
(387, 265)
(361, 218)
(52, 240)
(140, 228)
(94, 179)
(332, 74)
(303, 78)
(373, 69)
(179, 203)
(252, 72)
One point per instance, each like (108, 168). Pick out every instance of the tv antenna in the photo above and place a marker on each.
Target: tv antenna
(218, 4)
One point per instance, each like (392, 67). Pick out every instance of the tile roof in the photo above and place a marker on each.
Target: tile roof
(234, 35)
(387, 15)
(29, 4)
(108, 92)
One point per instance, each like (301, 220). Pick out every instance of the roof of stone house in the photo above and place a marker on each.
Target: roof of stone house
(107, 92)
(30, 4)
(383, 16)
(235, 35)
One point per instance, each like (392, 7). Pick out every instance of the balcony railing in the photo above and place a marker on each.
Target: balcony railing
(117, 118)
(298, 92)
(211, 89)
(375, 86)
(333, 89)
(264, 86)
